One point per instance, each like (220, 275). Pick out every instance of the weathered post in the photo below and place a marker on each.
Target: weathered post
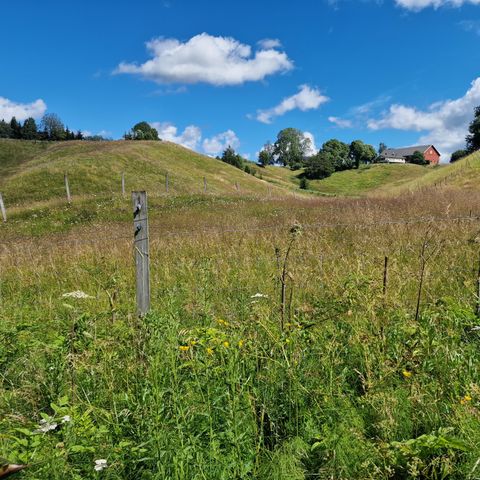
(2, 209)
(205, 184)
(141, 248)
(67, 188)
(123, 184)
(166, 182)
(236, 186)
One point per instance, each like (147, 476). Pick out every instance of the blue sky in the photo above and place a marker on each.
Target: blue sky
(216, 72)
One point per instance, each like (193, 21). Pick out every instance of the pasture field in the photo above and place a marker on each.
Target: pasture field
(223, 380)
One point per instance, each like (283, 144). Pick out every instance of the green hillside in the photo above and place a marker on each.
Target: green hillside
(31, 172)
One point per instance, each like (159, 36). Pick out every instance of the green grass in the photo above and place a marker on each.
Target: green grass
(33, 172)
(209, 386)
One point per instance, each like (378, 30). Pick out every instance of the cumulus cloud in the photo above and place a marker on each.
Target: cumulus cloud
(307, 98)
(313, 148)
(189, 138)
(268, 43)
(340, 122)
(445, 123)
(208, 59)
(417, 5)
(21, 111)
(216, 144)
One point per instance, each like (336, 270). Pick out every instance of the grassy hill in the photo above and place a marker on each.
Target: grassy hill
(31, 172)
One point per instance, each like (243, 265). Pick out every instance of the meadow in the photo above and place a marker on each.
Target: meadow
(331, 374)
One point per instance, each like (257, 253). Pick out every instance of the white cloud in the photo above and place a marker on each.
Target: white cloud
(313, 148)
(189, 138)
(21, 111)
(445, 123)
(268, 43)
(216, 144)
(417, 5)
(207, 59)
(340, 122)
(306, 99)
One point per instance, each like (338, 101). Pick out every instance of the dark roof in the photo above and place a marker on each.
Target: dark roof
(405, 151)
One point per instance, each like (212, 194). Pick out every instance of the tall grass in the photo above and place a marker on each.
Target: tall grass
(209, 386)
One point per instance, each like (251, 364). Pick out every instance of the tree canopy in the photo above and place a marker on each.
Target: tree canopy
(142, 131)
(291, 148)
(457, 155)
(361, 152)
(418, 158)
(473, 138)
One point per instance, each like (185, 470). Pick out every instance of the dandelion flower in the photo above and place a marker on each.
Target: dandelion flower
(184, 348)
(209, 351)
(226, 344)
(467, 398)
(407, 374)
(240, 343)
(223, 322)
(100, 465)
(76, 294)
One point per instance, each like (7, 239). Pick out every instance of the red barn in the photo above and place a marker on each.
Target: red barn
(402, 155)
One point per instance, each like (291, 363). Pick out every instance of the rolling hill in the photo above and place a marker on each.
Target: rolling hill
(32, 172)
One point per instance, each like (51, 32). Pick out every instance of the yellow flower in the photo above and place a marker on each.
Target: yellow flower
(209, 351)
(240, 343)
(226, 344)
(193, 343)
(467, 398)
(184, 348)
(287, 340)
(223, 322)
(407, 374)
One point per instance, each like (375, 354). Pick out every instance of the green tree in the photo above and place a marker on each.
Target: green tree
(231, 157)
(458, 155)
(361, 152)
(321, 165)
(339, 152)
(291, 148)
(29, 130)
(381, 147)
(473, 138)
(418, 158)
(5, 129)
(143, 131)
(53, 126)
(266, 156)
(16, 128)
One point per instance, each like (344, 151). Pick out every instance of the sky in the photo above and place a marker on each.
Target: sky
(208, 74)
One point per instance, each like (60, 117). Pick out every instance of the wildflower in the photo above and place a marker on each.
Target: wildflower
(226, 344)
(240, 343)
(66, 419)
(209, 351)
(46, 426)
(193, 343)
(407, 374)
(223, 322)
(184, 348)
(100, 465)
(259, 295)
(467, 398)
(76, 294)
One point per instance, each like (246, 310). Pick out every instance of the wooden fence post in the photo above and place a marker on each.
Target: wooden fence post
(205, 184)
(141, 248)
(67, 188)
(385, 275)
(2, 209)
(236, 186)
(123, 184)
(166, 182)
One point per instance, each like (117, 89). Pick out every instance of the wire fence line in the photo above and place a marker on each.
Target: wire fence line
(156, 233)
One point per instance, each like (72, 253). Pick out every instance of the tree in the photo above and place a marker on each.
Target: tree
(321, 165)
(266, 156)
(16, 128)
(29, 130)
(381, 147)
(79, 135)
(360, 152)
(473, 139)
(143, 131)
(339, 152)
(418, 158)
(53, 126)
(5, 129)
(231, 157)
(291, 147)
(458, 155)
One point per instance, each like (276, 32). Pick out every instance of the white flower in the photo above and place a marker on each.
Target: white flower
(46, 425)
(76, 294)
(100, 465)
(66, 419)
(259, 295)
